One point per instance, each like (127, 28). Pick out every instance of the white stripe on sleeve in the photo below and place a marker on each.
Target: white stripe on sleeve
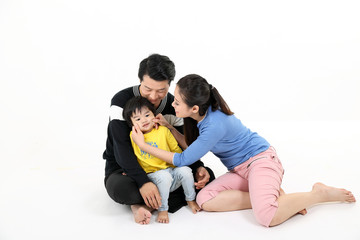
(173, 120)
(116, 113)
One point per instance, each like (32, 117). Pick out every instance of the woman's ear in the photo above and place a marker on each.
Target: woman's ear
(195, 109)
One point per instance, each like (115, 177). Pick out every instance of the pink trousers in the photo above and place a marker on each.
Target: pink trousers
(260, 175)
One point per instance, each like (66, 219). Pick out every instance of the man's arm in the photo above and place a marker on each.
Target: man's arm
(123, 152)
(125, 157)
(121, 149)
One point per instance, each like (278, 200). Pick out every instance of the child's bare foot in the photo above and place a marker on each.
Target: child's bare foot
(332, 194)
(193, 206)
(142, 214)
(302, 212)
(163, 217)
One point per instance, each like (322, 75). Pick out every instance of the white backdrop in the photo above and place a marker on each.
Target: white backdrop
(62, 61)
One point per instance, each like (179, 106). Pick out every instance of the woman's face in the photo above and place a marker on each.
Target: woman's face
(182, 110)
(144, 119)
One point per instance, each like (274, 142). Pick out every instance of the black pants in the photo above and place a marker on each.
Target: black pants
(123, 189)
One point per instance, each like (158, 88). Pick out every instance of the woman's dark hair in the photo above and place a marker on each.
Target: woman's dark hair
(195, 90)
(135, 104)
(157, 67)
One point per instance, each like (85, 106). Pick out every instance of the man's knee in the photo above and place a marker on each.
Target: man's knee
(122, 189)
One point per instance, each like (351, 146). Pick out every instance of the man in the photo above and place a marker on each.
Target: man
(125, 181)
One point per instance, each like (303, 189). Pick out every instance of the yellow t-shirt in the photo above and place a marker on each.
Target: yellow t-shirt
(161, 138)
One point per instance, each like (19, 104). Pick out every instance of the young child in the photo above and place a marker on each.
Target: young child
(139, 111)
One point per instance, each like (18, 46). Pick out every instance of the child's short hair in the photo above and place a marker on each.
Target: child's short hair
(135, 104)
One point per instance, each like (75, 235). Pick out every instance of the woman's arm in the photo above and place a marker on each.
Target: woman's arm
(178, 136)
(159, 119)
(202, 145)
(138, 137)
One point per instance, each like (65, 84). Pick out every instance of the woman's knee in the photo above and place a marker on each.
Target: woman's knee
(265, 213)
(205, 195)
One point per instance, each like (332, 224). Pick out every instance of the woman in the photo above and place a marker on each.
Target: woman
(255, 171)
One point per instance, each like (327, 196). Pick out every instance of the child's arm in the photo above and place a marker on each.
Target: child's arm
(138, 137)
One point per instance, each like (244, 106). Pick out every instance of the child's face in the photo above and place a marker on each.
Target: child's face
(144, 119)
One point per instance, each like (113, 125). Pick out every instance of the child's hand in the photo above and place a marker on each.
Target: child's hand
(137, 135)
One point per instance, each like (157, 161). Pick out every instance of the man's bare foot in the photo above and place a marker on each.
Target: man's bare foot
(142, 214)
(302, 212)
(163, 217)
(332, 194)
(193, 206)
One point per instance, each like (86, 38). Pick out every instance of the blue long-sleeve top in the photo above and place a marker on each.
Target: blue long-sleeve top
(226, 137)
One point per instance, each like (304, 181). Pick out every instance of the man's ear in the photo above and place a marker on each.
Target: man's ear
(195, 109)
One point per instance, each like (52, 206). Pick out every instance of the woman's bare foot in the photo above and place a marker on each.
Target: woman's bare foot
(163, 217)
(142, 214)
(193, 206)
(302, 212)
(332, 194)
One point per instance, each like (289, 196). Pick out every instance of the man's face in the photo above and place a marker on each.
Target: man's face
(154, 90)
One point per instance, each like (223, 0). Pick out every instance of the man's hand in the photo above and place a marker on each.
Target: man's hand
(150, 194)
(201, 177)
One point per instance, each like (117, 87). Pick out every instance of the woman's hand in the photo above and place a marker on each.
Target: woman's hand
(137, 136)
(159, 120)
(202, 177)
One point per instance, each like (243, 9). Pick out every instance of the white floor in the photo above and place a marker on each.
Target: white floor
(59, 193)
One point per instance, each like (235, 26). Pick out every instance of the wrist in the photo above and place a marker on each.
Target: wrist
(199, 168)
(141, 145)
(171, 128)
